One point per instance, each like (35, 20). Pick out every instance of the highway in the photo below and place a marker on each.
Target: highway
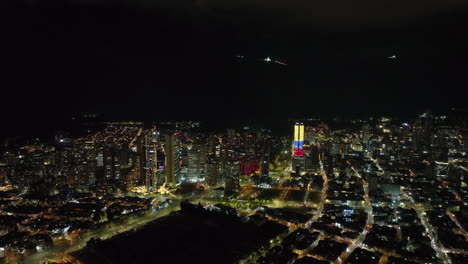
(107, 231)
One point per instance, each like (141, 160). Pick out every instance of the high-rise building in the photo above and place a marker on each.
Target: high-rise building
(250, 142)
(133, 177)
(231, 175)
(138, 148)
(312, 159)
(441, 169)
(266, 157)
(298, 161)
(231, 137)
(83, 173)
(309, 135)
(196, 156)
(111, 162)
(170, 150)
(298, 140)
(212, 172)
(151, 156)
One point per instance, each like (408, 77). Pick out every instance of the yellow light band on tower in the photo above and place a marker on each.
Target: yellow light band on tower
(296, 132)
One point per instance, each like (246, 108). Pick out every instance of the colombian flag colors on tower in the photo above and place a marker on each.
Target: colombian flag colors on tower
(298, 140)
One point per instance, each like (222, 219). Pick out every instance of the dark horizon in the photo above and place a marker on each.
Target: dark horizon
(174, 63)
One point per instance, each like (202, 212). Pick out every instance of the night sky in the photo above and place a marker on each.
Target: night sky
(170, 60)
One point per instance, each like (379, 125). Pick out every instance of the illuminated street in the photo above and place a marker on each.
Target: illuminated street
(323, 198)
(107, 231)
(442, 254)
(369, 222)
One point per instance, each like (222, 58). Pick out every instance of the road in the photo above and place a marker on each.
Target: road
(460, 226)
(323, 198)
(107, 231)
(430, 230)
(370, 220)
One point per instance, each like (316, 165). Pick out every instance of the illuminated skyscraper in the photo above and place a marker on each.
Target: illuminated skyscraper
(111, 160)
(298, 160)
(151, 142)
(298, 140)
(231, 174)
(133, 177)
(196, 157)
(170, 159)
